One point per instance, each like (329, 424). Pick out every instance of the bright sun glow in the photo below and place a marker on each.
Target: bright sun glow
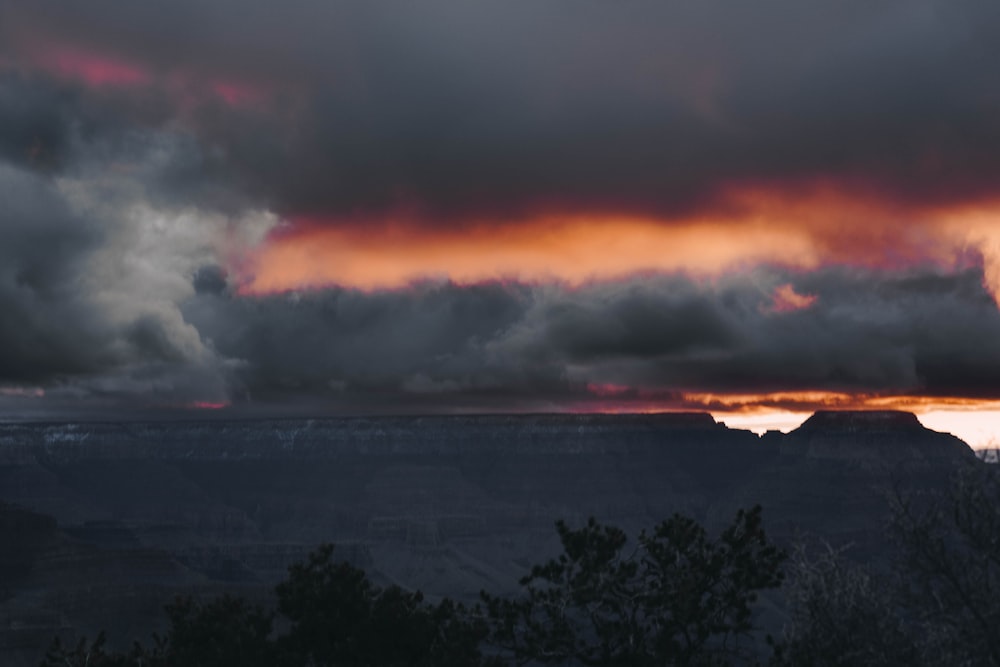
(979, 427)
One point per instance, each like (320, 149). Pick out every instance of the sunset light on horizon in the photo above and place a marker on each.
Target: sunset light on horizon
(801, 233)
(975, 425)
(342, 210)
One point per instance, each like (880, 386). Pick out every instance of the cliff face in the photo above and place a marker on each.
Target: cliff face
(886, 437)
(331, 438)
(833, 476)
(24, 537)
(449, 505)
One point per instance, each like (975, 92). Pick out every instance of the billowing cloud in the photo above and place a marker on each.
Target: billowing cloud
(516, 205)
(42, 243)
(453, 111)
(91, 278)
(666, 341)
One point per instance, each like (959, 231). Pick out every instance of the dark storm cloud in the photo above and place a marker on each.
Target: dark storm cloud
(919, 332)
(451, 109)
(82, 313)
(425, 340)
(905, 332)
(36, 128)
(636, 322)
(209, 279)
(56, 129)
(916, 332)
(144, 144)
(44, 330)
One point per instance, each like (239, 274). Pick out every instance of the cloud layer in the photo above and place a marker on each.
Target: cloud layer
(659, 340)
(512, 205)
(459, 111)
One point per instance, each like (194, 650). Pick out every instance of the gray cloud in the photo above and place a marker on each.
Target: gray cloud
(448, 108)
(916, 332)
(42, 244)
(89, 289)
(339, 339)
(121, 202)
(109, 301)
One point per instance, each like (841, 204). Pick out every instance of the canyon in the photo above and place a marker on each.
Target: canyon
(101, 523)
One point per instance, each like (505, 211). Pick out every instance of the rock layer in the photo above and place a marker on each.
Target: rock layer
(450, 505)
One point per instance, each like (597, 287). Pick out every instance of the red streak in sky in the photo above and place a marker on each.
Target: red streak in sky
(235, 94)
(95, 71)
(208, 405)
(187, 90)
(609, 390)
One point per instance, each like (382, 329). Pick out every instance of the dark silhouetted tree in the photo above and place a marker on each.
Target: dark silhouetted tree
(941, 604)
(841, 614)
(338, 617)
(950, 553)
(224, 632)
(92, 654)
(335, 617)
(673, 597)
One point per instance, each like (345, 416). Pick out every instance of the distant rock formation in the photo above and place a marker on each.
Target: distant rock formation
(138, 511)
(887, 436)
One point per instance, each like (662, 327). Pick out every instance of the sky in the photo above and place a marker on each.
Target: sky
(459, 206)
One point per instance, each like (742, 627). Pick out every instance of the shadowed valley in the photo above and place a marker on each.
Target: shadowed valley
(104, 522)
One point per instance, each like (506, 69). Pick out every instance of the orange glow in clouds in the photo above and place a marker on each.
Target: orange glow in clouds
(750, 228)
(786, 299)
(569, 250)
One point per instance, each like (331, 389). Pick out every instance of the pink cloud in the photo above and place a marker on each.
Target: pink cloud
(785, 299)
(22, 392)
(606, 390)
(208, 405)
(93, 70)
(236, 94)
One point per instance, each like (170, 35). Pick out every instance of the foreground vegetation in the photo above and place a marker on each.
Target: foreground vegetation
(670, 596)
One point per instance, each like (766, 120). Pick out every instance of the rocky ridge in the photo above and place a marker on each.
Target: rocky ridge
(137, 512)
